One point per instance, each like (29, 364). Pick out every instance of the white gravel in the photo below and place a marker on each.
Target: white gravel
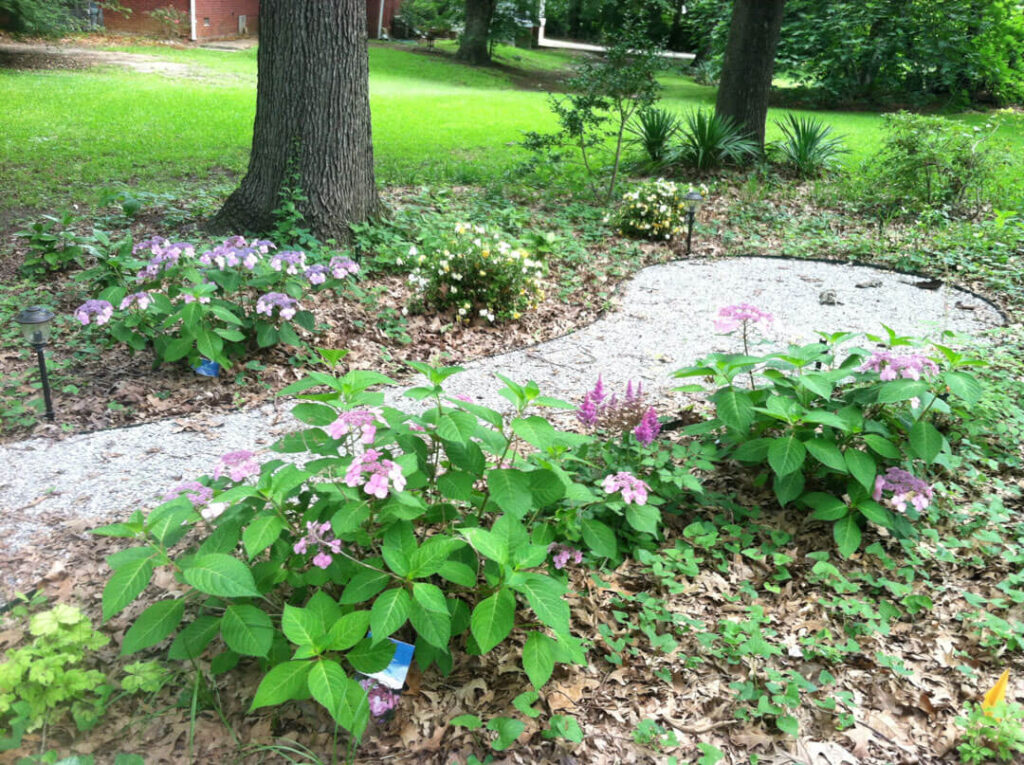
(663, 322)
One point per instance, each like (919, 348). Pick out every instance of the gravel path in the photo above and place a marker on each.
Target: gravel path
(664, 322)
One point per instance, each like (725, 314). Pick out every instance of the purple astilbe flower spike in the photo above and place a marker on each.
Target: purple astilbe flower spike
(648, 428)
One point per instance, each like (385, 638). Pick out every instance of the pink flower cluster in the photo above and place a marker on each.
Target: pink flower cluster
(316, 536)
(382, 699)
(141, 299)
(194, 491)
(287, 305)
(317, 274)
(648, 429)
(633, 489)
(101, 309)
(732, 317)
(561, 554)
(164, 255)
(238, 466)
(363, 420)
(235, 252)
(380, 472)
(889, 365)
(905, 487)
(342, 267)
(290, 261)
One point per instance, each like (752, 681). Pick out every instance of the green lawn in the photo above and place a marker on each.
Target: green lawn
(65, 135)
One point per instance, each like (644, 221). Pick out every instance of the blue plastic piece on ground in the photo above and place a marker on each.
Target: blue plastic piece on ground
(393, 676)
(208, 368)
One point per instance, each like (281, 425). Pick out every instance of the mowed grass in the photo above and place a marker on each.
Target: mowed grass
(66, 135)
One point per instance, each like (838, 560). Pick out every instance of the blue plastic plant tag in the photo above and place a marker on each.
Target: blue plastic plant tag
(393, 676)
(208, 368)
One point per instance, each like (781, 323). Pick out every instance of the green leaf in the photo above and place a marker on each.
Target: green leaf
(329, 685)
(788, 725)
(882, 446)
(846, 532)
(822, 417)
(282, 683)
(788, 487)
(457, 426)
(734, 408)
(536, 431)
(178, 349)
(544, 595)
(301, 626)
(510, 489)
(153, 625)
(472, 722)
(456, 485)
(524, 703)
(861, 466)
(826, 507)
(964, 386)
(347, 631)
(369, 657)
(247, 630)
(192, 641)
(875, 513)
(643, 518)
(364, 586)
(563, 726)
(221, 575)
(599, 538)
(925, 440)
(816, 383)
(261, 533)
(492, 619)
(126, 583)
(315, 414)
(430, 597)
(539, 658)
(487, 544)
(754, 450)
(508, 729)
(900, 390)
(827, 453)
(786, 455)
(389, 612)
(431, 556)
(434, 627)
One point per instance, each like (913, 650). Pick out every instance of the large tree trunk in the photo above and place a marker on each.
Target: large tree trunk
(749, 63)
(312, 120)
(473, 48)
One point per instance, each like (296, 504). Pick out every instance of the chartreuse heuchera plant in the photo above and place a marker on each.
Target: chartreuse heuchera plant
(452, 528)
(847, 432)
(655, 210)
(222, 304)
(479, 274)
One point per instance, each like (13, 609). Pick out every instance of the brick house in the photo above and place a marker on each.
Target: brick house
(207, 19)
(379, 15)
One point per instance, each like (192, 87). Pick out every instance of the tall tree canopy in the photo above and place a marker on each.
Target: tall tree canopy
(749, 63)
(312, 127)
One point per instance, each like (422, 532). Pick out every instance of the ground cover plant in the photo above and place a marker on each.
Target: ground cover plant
(816, 562)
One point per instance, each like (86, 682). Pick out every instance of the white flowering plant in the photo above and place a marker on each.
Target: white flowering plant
(655, 210)
(479, 274)
(221, 304)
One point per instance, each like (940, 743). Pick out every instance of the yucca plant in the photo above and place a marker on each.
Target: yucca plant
(809, 147)
(711, 140)
(654, 129)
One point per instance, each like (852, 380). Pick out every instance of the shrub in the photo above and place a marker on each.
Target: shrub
(850, 441)
(654, 210)
(173, 22)
(54, 245)
(927, 163)
(809, 148)
(710, 141)
(222, 304)
(654, 129)
(479, 274)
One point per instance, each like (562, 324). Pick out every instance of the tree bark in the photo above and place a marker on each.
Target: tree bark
(749, 63)
(312, 125)
(473, 48)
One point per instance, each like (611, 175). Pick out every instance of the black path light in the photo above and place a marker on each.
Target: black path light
(693, 200)
(35, 326)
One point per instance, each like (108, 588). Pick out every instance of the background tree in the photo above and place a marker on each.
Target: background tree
(473, 48)
(312, 127)
(749, 64)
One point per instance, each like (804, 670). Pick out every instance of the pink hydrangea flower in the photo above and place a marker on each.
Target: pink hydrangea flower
(732, 317)
(287, 305)
(905, 487)
(342, 267)
(634, 491)
(141, 299)
(890, 365)
(194, 491)
(561, 554)
(290, 261)
(238, 466)
(317, 537)
(101, 309)
(380, 473)
(382, 700)
(363, 420)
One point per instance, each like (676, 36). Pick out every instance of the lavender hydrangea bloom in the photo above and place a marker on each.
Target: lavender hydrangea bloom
(382, 700)
(342, 267)
(561, 554)
(905, 487)
(287, 305)
(194, 491)
(380, 471)
(142, 299)
(317, 538)
(317, 274)
(238, 465)
(890, 366)
(101, 309)
(290, 261)
(732, 317)
(362, 420)
(633, 489)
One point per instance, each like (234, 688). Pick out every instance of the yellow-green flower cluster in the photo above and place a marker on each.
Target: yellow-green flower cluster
(655, 210)
(479, 274)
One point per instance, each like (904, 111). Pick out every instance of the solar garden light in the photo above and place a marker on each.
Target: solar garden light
(693, 200)
(35, 326)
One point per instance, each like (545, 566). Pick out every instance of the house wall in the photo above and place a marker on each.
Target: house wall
(139, 21)
(223, 17)
(373, 15)
(214, 18)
